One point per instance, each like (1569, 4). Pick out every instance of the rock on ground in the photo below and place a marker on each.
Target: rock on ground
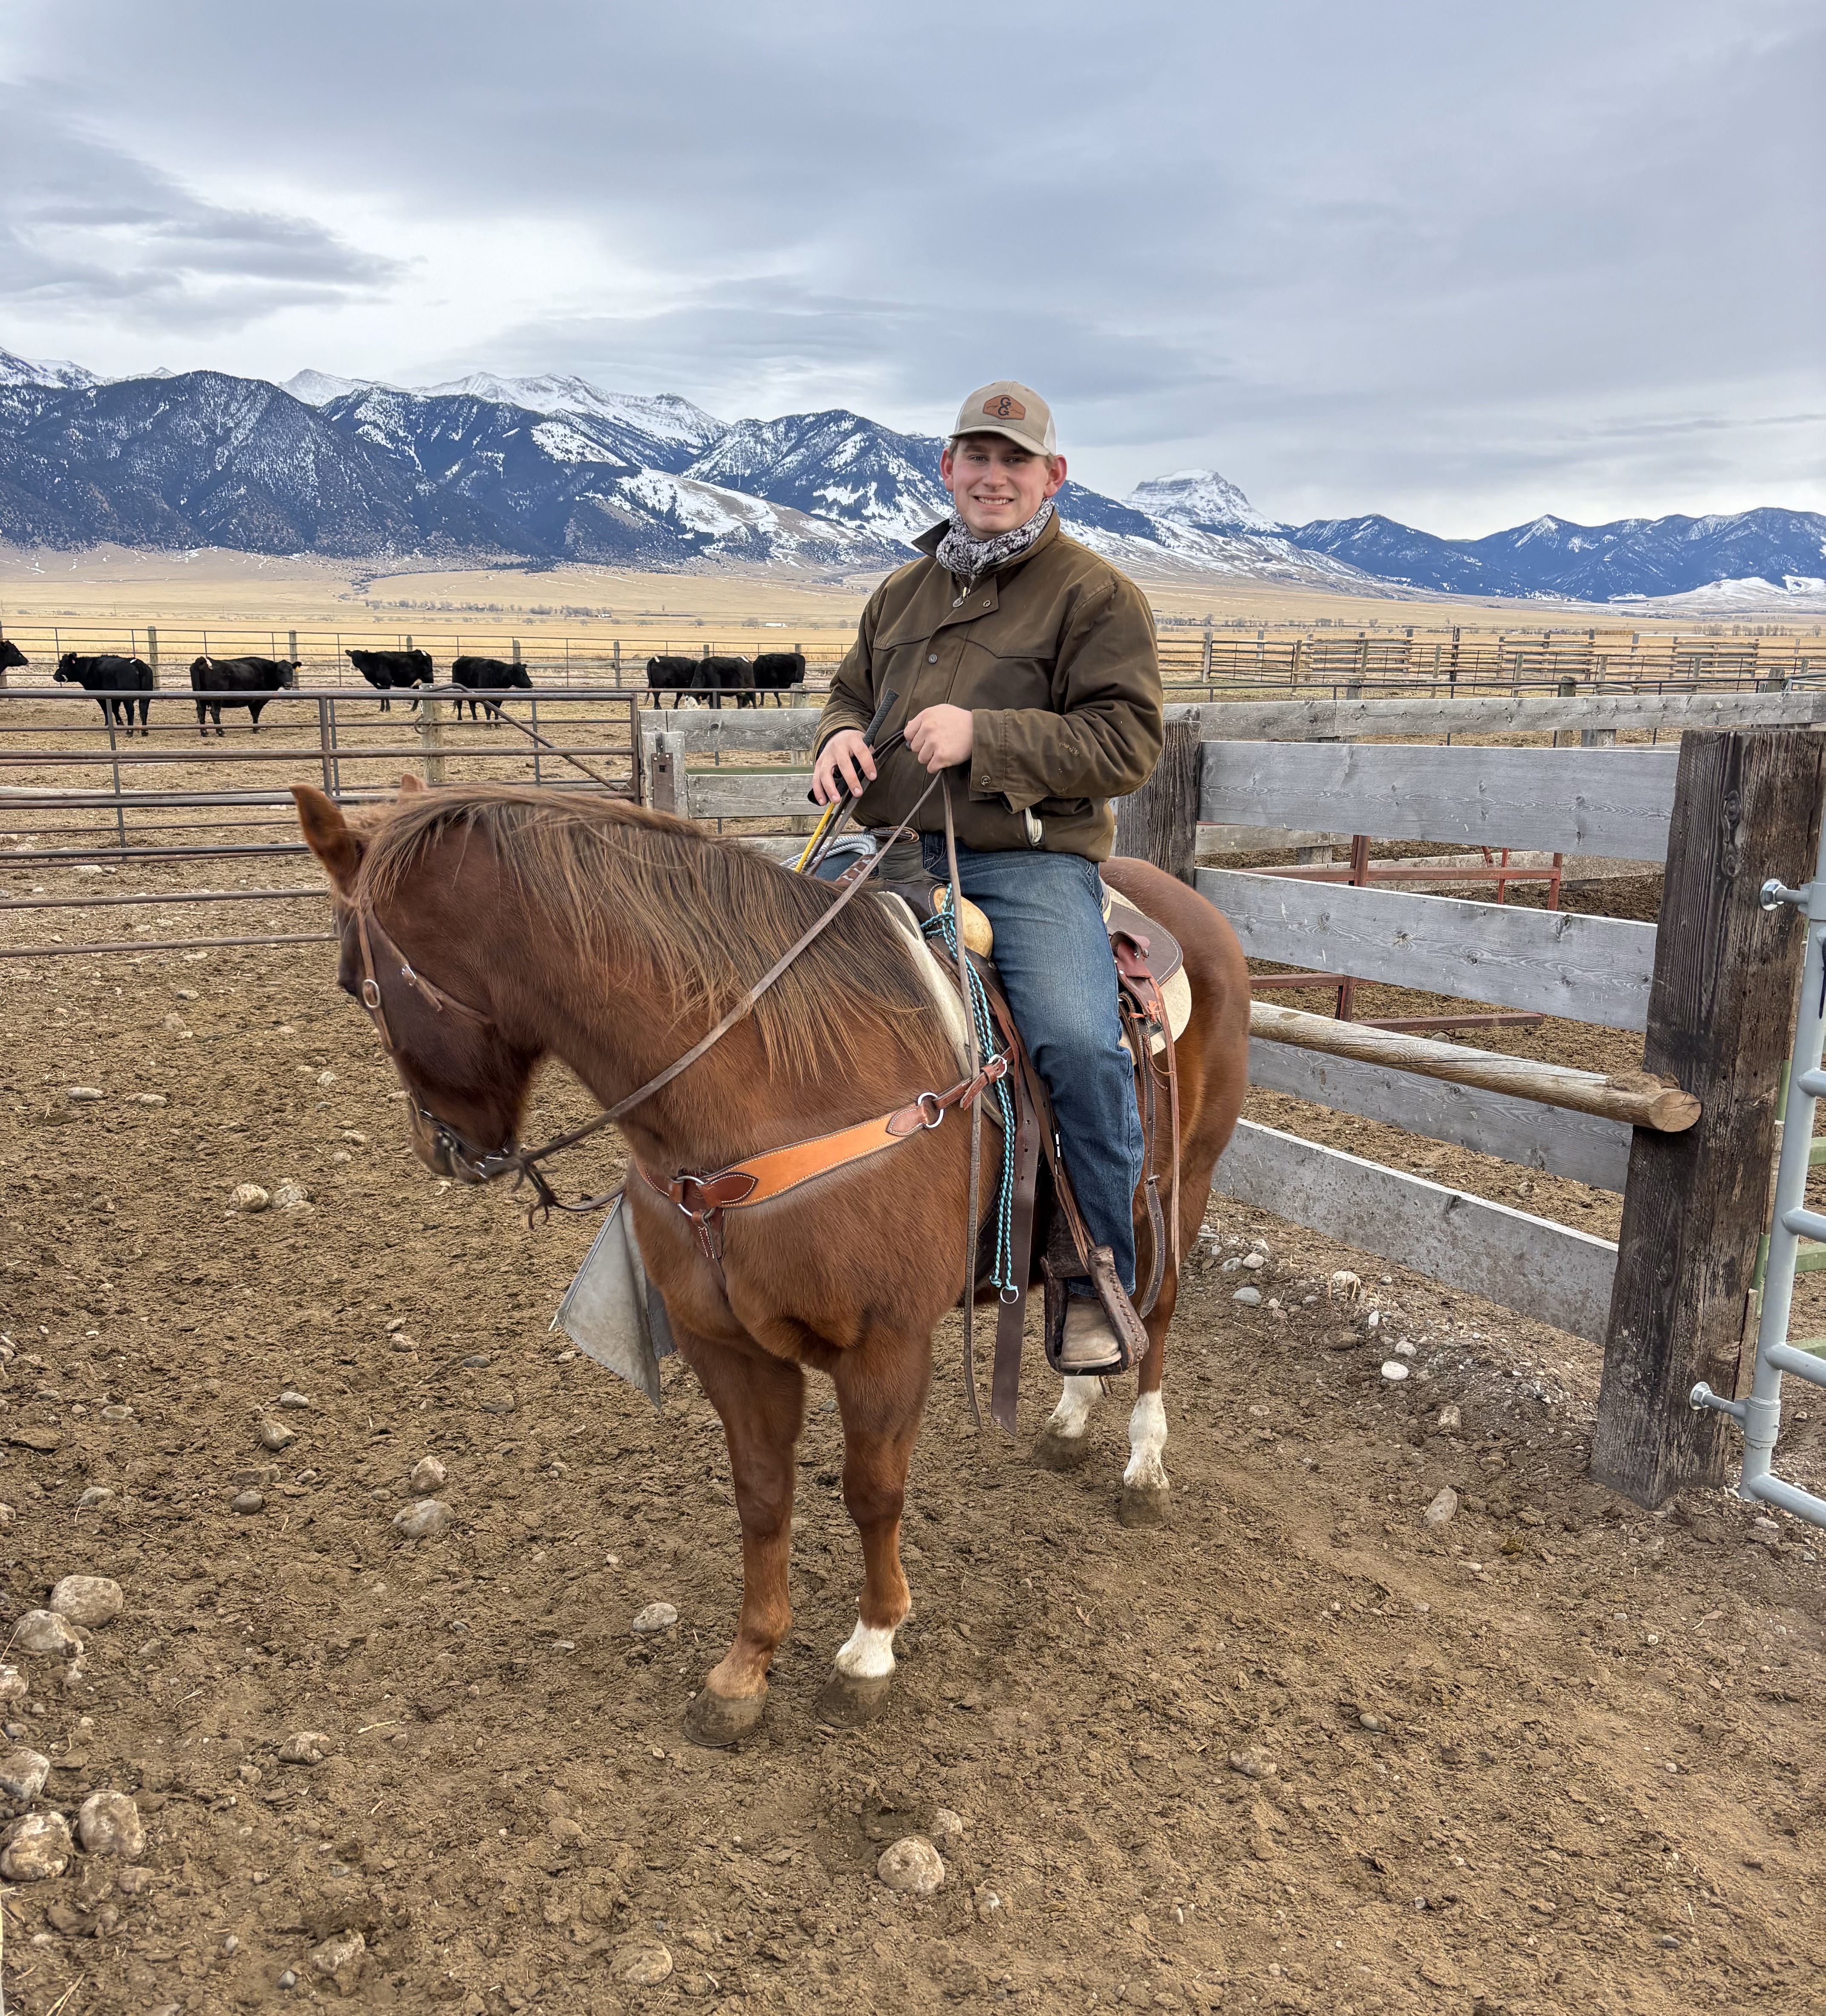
(1443, 1507)
(37, 1847)
(23, 1774)
(428, 1520)
(655, 1617)
(427, 1473)
(309, 1746)
(88, 1600)
(250, 1196)
(109, 1823)
(912, 1865)
(339, 1959)
(43, 1631)
(645, 1967)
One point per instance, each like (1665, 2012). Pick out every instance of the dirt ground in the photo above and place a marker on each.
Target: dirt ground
(1556, 1755)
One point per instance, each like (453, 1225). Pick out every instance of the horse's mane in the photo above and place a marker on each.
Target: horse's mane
(702, 916)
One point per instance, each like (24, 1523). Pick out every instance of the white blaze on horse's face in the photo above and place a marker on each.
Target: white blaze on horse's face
(867, 1653)
(1147, 1438)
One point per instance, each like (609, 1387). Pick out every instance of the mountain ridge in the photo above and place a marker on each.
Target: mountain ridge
(551, 467)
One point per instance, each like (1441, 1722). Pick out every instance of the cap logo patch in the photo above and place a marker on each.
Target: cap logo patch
(1004, 408)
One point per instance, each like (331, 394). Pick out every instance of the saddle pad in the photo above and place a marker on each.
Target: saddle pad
(1164, 957)
(940, 979)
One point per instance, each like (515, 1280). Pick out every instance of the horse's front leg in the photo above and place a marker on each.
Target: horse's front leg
(761, 1403)
(880, 1392)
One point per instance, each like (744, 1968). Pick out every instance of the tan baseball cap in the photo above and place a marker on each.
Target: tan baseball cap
(1015, 410)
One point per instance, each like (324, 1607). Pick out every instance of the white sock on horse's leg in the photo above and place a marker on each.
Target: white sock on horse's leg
(1147, 1436)
(867, 1653)
(1068, 1421)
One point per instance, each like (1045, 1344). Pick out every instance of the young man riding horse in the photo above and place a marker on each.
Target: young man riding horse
(1026, 664)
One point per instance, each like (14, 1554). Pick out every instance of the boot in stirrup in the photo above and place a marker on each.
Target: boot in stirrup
(1090, 1348)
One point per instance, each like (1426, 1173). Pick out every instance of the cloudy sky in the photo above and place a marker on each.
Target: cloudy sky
(1459, 264)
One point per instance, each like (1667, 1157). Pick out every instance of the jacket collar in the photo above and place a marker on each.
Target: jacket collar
(928, 542)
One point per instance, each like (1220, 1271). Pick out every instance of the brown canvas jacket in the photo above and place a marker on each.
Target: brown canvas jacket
(1054, 657)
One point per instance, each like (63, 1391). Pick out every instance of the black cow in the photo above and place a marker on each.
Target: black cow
(10, 655)
(247, 682)
(717, 676)
(114, 681)
(487, 675)
(387, 669)
(673, 676)
(776, 671)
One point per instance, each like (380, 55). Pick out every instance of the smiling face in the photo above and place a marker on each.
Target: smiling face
(996, 484)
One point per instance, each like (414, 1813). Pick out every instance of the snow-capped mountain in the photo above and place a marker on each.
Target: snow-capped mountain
(554, 484)
(840, 466)
(375, 472)
(835, 465)
(318, 388)
(1626, 559)
(1202, 498)
(46, 375)
(649, 431)
(658, 430)
(554, 468)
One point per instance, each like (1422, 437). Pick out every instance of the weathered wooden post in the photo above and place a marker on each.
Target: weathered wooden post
(1160, 822)
(666, 770)
(1746, 807)
(152, 652)
(431, 739)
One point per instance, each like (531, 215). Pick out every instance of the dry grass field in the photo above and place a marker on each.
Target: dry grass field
(248, 602)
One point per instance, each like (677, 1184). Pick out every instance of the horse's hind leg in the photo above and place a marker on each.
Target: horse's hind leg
(880, 1392)
(761, 1402)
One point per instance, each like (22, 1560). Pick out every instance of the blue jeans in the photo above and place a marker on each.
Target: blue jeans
(1053, 955)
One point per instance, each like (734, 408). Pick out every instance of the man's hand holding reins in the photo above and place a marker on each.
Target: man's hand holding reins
(848, 753)
(942, 737)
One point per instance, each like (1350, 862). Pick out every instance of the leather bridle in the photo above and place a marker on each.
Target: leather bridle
(485, 1166)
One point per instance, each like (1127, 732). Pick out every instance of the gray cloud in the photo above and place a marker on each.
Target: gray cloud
(1460, 265)
(93, 232)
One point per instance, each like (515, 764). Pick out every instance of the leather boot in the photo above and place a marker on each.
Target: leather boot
(1090, 1347)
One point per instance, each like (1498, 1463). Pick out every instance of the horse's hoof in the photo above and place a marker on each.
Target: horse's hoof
(847, 1704)
(715, 1721)
(1143, 1505)
(1053, 1452)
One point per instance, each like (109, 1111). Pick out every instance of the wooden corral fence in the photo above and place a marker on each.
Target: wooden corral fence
(1389, 659)
(1710, 989)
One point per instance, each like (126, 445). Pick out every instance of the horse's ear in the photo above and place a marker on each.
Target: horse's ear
(409, 782)
(329, 836)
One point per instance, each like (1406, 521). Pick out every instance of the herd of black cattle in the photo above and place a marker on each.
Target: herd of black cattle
(118, 683)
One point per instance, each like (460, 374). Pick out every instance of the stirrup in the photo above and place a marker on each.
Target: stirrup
(1131, 1337)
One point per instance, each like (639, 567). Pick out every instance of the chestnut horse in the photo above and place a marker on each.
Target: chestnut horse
(613, 937)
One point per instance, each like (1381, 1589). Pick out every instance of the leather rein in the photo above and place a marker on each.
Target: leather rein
(692, 1193)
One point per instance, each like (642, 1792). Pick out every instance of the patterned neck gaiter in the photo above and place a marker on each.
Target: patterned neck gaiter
(963, 554)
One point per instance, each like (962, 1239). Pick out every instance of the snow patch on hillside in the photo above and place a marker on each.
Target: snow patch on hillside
(46, 374)
(663, 416)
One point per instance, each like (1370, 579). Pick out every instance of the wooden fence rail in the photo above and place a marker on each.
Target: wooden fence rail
(1736, 800)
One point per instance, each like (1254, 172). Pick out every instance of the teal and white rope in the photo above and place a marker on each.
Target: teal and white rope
(942, 928)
